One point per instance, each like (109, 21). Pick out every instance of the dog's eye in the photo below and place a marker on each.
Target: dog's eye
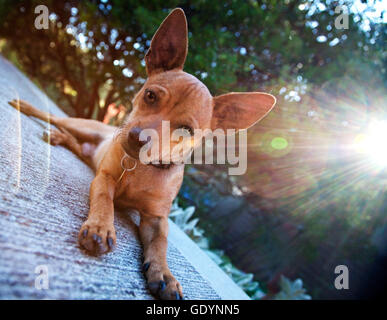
(187, 128)
(150, 96)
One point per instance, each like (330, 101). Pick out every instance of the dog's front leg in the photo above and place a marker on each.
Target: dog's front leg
(97, 234)
(161, 282)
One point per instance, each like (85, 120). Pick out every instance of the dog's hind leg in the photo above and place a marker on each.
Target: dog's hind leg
(66, 139)
(85, 130)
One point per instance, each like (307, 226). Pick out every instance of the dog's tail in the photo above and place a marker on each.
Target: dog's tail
(29, 110)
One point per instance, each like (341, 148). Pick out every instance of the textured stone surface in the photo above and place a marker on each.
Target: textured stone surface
(43, 202)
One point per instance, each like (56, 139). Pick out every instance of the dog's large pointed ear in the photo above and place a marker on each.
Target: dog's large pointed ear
(169, 45)
(240, 110)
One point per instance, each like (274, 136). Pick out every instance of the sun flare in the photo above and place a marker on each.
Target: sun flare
(374, 143)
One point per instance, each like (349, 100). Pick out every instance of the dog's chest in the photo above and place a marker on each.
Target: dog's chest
(146, 185)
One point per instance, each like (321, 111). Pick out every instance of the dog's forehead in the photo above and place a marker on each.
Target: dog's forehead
(182, 85)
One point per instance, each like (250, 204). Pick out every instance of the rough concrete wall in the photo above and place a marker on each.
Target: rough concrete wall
(43, 202)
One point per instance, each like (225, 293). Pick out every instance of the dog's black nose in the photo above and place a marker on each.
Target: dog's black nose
(134, 137)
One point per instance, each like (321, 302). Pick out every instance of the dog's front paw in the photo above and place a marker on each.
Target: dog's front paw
(97, 238)
(162, 284)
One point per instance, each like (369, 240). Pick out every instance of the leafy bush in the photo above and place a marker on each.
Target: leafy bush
(289, 290)
(292, 290)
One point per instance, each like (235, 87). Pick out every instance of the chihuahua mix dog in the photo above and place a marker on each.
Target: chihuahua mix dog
(169, 94)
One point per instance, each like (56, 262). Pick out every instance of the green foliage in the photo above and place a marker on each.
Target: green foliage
(81, 61)
(234, 46)
(183, 219)
(291, 290)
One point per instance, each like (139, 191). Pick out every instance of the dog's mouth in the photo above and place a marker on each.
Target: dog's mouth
(135, 154)
(163, 166)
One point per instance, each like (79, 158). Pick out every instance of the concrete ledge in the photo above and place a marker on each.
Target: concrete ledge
(43, 202)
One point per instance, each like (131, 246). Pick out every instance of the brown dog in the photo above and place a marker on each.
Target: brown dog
(168, 94)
